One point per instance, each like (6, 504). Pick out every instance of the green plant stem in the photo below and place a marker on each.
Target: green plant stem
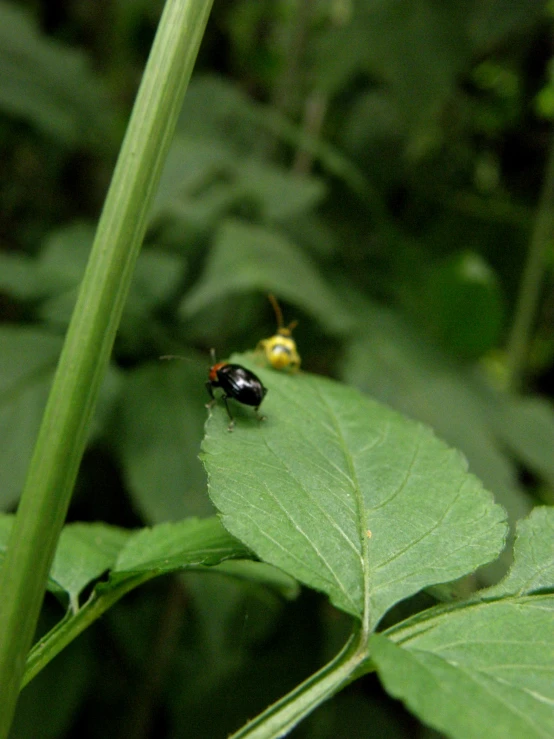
(285, 714)
(69, 628)
(289, 89)
(543, 232)
(85, 355)
(315, 108)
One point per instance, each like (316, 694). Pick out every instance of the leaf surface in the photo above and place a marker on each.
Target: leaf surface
(168, 547)
(484, 670)
(346, 495)
(485, 667)
(391, 362)
(85, 551)
(533, 567)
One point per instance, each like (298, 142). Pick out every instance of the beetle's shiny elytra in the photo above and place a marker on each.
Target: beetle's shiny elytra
(237, 383)
(280, 350)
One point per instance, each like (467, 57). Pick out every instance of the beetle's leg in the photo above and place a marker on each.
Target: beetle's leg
(260, 418)
(231, 419)
(210, 390)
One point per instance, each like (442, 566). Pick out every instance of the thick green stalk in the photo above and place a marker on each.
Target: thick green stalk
(90, 337)
(542, 236)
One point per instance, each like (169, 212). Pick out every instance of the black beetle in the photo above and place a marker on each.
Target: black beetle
(238, 383)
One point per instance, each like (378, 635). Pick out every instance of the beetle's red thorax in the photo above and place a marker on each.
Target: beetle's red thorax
(214, 370)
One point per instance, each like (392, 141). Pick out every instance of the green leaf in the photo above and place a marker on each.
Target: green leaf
(85, 551)
(246, 258)
(492, 654)
(53, 278)
(169, 547)
(51, 85)
(415, 50)
(61, 266)
(346, 495)
(533, 567)
(202, 173)
(391, 362)
(139, 556)
(526, 426)
(18, 276)
(158, 435)
(279, 194)
(217, 115)
(219, 112)
(58, 268)
(461, 303)
(191, 166)
(484, 670)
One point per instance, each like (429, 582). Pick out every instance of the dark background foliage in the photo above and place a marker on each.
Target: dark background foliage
(378, 166)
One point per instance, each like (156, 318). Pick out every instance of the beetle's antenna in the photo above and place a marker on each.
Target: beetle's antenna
(277, 309)
(212, 355)
(281, 330)
(175, 356)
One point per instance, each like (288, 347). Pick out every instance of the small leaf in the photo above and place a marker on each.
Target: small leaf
(85, 551)
(196, 167)
(189, 164)
(346, 495)
(246, 258)
(174, 546)
(52, 279)
(280, 194)
(484, 670)
(533, 567)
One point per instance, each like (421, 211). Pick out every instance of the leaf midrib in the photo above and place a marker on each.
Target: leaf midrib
(361, 518)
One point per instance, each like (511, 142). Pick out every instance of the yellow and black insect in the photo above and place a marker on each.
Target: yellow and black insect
(280, 350)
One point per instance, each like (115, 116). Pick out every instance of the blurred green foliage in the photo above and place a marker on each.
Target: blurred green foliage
(377, 166)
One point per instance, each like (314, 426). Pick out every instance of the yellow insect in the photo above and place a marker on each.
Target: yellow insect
(280, 350)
